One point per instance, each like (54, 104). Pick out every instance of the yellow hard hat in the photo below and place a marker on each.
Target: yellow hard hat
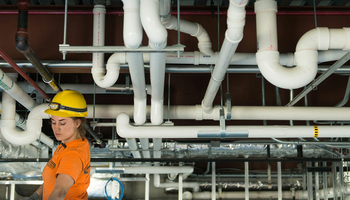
(68, 103)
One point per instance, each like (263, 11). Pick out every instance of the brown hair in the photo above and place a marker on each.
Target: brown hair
(81, 128)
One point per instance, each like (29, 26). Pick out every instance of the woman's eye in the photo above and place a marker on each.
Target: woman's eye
(62, 124)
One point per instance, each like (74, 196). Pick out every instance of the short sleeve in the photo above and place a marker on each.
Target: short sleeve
(70, 164)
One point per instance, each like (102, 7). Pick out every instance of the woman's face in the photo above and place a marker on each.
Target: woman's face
(65, 128)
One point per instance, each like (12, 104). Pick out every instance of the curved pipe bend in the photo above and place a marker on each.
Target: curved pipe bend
(34, 124)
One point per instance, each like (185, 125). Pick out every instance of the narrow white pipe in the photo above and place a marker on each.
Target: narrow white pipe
(147, 187)
(145, 146)
(180, 187)
(157, 61)
(213, 181)
(252, 195)
(279, 180)
(125, 130)
(98, 71)
(133, 147)
(246, 180)
(317, 184)
(306, 51)
(233, 35)
(34, 124)
(193, 29)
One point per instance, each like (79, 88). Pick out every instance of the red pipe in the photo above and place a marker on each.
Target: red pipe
(24, 75)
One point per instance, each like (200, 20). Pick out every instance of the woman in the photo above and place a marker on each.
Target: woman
(67, 174)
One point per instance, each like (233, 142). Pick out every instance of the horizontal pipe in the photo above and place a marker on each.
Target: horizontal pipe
(147, 170)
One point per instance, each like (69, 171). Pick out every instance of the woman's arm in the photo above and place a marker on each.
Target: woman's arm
(62, 185)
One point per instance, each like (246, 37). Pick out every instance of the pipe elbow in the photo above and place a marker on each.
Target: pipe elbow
(123, 121)
(140, 108)
(288, 78)
(132, 32)
(22, 43)
(315, 39)
(157, 111)
(17, 137)
(204, 42)
(105, 80)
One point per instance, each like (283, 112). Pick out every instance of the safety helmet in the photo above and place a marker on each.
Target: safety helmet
(68, 103)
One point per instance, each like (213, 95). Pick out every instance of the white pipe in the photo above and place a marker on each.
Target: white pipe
(157, 70)
(34, 124)
(237, 112)
(180, 187)
(147, 187)
(148, 170)
(306, 51)
(158, 184)
(152, 25)
(98, 71)
(246, 179)
(279, 180)
(145, 146)
(125, 130)
(252, 195)
(193, 29)
(132, 31)
(133, 147)
(213, 181)
(157, 145)
(8, 85)
(233, 35)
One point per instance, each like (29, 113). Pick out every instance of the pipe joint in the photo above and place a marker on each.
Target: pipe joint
(22, 43)
(265, 5)
(239, 3)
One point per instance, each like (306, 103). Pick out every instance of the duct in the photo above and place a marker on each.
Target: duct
(132, 38)
(34, 124)
(306, 50)
(157, 35)
(233, 35)
(98, 71)
(193, 29)
(22, 45)
(125, 130)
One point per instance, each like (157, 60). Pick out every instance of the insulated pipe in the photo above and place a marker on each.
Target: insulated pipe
(98, 71)
(148, 170)
(233, 35)
(306, 51)
(157, 146)
(125, 130)
(133, 147)
(22, 45)
(145, 146)
(193, 29)
(34, 124)
(24, 75)
(132, 34)
(16, 92)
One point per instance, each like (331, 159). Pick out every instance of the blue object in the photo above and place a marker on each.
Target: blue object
(121, 189)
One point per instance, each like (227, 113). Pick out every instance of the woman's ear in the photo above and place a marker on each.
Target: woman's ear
(77, 123)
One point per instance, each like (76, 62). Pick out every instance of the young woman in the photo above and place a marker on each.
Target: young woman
(67, 174)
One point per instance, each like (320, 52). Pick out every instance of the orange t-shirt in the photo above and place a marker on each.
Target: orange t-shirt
(73, 159)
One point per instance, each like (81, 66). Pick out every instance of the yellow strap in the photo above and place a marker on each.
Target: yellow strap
(316, 131)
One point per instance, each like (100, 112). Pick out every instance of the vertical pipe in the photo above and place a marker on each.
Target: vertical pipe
(279, 180)
(335, 183)
(147, 187)
(7, 192)
(12, 195)
(180, 186)
(309, 181)
(325, 183)
(317, 184)
(213, 181)
(246, 179)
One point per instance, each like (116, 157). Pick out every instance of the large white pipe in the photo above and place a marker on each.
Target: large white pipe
(233, 35)
(133, 147)
(237, 112)
(98, 71)
(157, 35)
(145, 146)
(193, 29)
(306, 55)
(34, 124)
(125, 130)
(132, 38)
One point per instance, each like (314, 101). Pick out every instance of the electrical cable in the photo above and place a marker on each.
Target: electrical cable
(121, 190)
